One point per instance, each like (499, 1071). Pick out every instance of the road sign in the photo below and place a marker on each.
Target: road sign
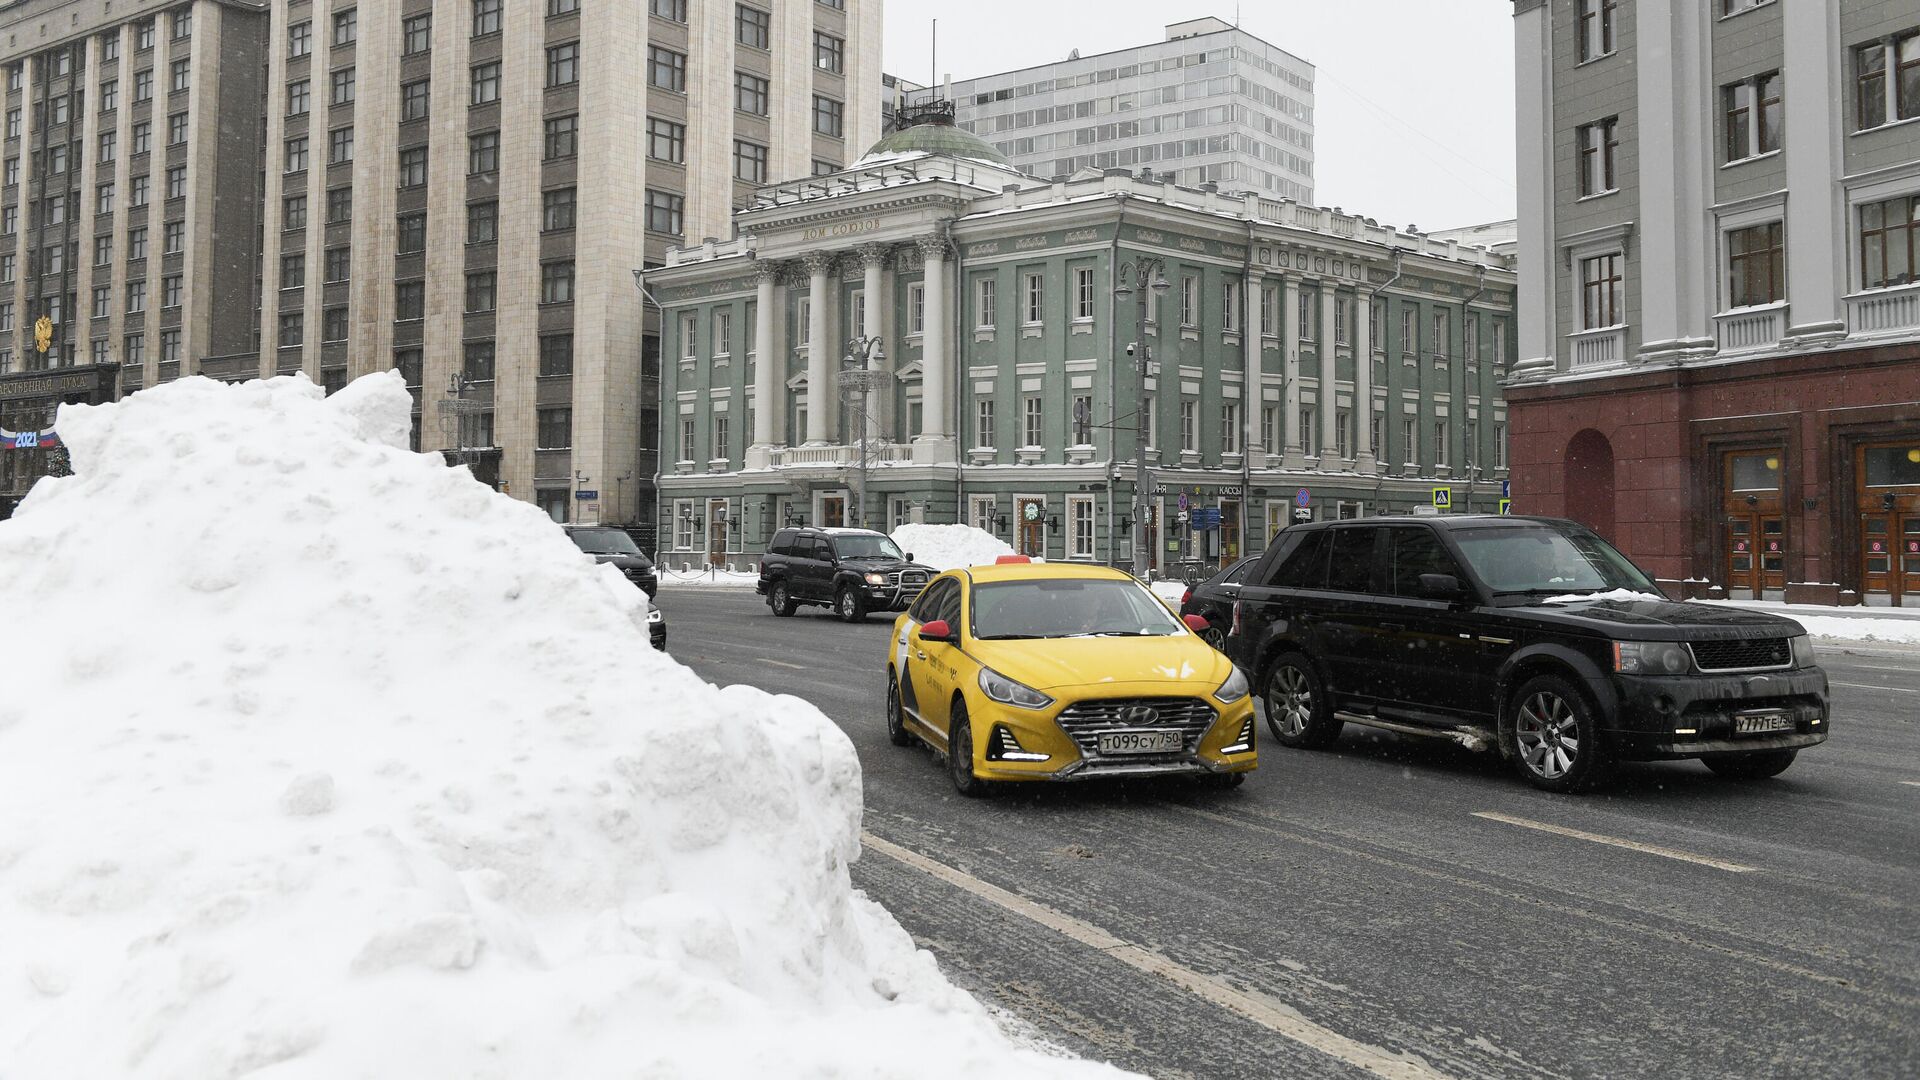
(1181, 517)
(1206, 518)
(1442, 498)
(1506, 489)
(587, 496)
(1302, 497)
(1300, 514)
(593, 508)
(1183, 502)
(1506, 507)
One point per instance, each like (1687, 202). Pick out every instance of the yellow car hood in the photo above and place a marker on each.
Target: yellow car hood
(1049, 663)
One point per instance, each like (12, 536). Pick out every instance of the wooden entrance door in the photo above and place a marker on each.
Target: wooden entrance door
(1032, 520)
(1887, 494)
(1754, 536)
(717, 526)
(833, 511)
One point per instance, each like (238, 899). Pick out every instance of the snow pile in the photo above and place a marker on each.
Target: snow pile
(945, 547)
(1625, 596)
(1841, 628)
(321, 759)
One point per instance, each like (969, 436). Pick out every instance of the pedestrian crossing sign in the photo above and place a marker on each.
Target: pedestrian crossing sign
(1442, 498)
(1506, 507)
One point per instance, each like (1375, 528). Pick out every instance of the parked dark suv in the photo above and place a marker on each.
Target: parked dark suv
(1530, 634)
(610, 545)
(852, 570)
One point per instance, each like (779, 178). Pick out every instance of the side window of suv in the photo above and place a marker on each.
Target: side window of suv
(813, 547)
(1350, 567)
(1415, 550)
(1306, 567)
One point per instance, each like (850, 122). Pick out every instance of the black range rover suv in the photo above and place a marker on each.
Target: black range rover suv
(853, 571)
(1532, 635)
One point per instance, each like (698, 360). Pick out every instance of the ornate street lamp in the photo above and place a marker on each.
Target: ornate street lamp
(861, 373)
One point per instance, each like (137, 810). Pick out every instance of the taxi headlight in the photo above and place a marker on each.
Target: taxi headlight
(1802, 650)
(1233, 689)
(1651, 658)
(876, 579)
(1007, 692)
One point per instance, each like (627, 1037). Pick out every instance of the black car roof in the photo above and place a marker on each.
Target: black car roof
(1444, 521)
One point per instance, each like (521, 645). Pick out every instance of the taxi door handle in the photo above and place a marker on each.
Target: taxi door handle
(918, 655)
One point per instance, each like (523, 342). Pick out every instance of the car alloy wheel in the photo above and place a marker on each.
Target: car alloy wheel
(1212, 636)
(896, 718)
(850, 606)
(781, 601)
(1289, 702)
(1548, 734)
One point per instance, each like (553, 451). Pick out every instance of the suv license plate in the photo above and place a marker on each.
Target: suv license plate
(1760, 723)
(1141, 742)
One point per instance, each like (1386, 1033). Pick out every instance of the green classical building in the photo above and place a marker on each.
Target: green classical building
(961, 342)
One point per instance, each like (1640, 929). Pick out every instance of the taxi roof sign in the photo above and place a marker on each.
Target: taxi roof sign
(1011, 559)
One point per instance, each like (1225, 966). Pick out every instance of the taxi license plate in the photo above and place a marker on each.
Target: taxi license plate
(1140, 742)
(1760, 723)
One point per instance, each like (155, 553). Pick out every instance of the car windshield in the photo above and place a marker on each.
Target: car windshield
(866, 546)
(1068, 607)
(604, 542)
(1543, 562)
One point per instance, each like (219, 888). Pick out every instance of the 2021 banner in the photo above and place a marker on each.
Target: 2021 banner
(29, 440)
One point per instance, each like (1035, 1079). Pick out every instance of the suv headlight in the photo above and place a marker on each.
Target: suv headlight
(1233, 689)
(655, 615)
(1651, 658)
(1007, 692)
(1802, 650)
(876, 579)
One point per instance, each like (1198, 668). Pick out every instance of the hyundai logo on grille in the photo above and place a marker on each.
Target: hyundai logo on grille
(1139, 714)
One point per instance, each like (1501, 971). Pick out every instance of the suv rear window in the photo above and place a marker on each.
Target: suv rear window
(782, 542)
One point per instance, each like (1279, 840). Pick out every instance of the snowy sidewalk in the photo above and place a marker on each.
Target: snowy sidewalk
(726, 579)
(1892, 626)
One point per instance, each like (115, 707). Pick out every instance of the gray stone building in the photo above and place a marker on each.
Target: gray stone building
(243, 188)
(1301, 360)
(1211, 103)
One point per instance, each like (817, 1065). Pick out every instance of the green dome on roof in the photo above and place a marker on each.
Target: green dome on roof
(939, 139)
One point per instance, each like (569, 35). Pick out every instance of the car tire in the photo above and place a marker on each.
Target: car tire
(1750, 765)
(1298, 711)
(897, 732)
(1555, 736)
(850, 605)
(960, 754)
(1215, 637)
(1224, 781)
(781, 601)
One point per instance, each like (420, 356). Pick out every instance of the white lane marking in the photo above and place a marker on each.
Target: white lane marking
(1259, 1008)
(1869, 686)
(782, 663)
(1911, 783)
(1614, 841)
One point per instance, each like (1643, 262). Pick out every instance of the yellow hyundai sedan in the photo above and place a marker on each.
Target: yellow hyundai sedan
(1028, 671)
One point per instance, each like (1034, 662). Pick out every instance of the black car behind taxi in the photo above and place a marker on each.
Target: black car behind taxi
(1532, 635)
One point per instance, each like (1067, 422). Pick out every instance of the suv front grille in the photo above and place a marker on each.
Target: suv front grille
(909, 582)
(1083, 722)
(1749, 655)
(638, 576)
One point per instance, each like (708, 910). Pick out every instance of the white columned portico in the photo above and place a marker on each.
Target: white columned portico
(874, 260)
(1294, 456)
(1329, 377)
(1816, 214)
(1363, 460)
(934, 443)
(766, 366)
(820, 352)
(1674, 256)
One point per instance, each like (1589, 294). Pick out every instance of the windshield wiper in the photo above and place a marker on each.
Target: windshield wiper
(1124, 633)
(1010, 637)
(1552, 590)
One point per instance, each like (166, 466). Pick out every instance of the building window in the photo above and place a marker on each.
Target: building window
(408, 363)
(749, 162)
(300, 38)
(664, 210)
(102, 302)
(1270, 434)
(476, 362)
(563, 64)
(102, 253)
(1440, 443)
(556, 283)
(1596, 28)
(1442, 340)
(137, 191)
(136, 244)
(983, 423)
(338, 264)
(1752, 116)
(554, 429)
(1189, 301)
(293, 270)
(176, 181)
(340, 146)
(416, 99)
(297, 154)
(1230, 428)
(983, 302)
(689, 340)
(1756, 259)
(556, 355)
(556, 8)
(1499, 446)
(486, 17)
(100, 349)
(103, 199)
(292, 329)
(752, 27)
(1189, 425)
(1343, 433)
(109, 52)
(670, 10)
(1890, 242)
(109, 95)
(686, 454)
(829, 52)
(293, 212)
(1035, 310)
(1230, 305)
(486, 84)
(413, 167)
(339, 205)
(1079, 526)
(562, 136)
(483, 222)
(1877, 99)
(1598, 142)
(333, 324)
(133, 350)
(667, 69)
(1308, 317)
(180, 76)
(1600, 292)
(343, 86)
(483, 153)
(666, 140)
(299, 97)
(1083, 293)
(410, 300)
(1034, 421)
(480, 292)
(1307, 418)
(346, 27)
(1377, 430)
(750, 93)
(828, 116)
(557, 209)
(416, 33)
(170, 291)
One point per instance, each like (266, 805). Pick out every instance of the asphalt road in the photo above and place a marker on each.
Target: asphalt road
(1400, 907)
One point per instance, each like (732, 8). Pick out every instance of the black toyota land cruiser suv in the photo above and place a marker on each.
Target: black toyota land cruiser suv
(852, 570)
(1532, 635)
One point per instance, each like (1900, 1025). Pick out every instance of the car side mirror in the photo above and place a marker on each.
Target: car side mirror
(938, 630)
(1196, 623)
(909, 556)
(1442, 587)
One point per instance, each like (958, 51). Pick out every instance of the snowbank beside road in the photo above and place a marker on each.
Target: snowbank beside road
(324, 760)
(945, 547)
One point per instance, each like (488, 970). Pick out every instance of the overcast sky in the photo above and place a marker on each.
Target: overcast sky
(1413, 99)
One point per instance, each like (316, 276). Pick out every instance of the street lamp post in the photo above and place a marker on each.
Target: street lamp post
(1135, 278)
(860, 374)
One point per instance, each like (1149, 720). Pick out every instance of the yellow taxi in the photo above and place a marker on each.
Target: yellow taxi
(1032, 671)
